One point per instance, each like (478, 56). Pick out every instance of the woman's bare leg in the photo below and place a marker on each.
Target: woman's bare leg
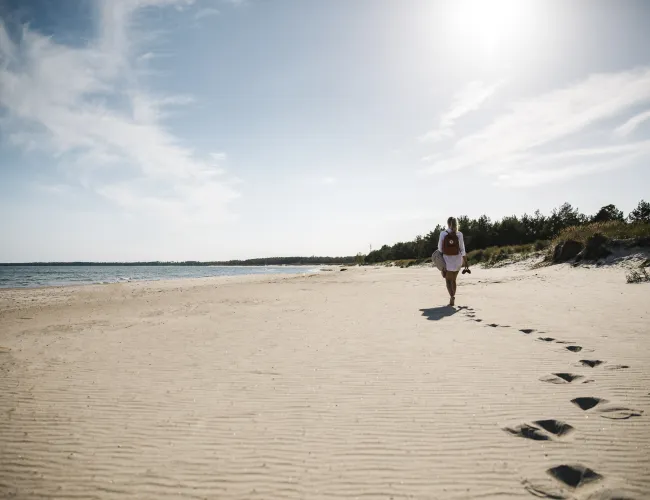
(451, 285)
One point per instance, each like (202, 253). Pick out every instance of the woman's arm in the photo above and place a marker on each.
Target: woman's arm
(461, 246)
(440, 240)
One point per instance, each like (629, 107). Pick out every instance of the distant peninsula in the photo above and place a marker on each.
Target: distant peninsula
(271, 261)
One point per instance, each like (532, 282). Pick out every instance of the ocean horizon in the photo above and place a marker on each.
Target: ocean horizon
(36, 276)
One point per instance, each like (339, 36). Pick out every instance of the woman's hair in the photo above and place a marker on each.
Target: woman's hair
(452, 223)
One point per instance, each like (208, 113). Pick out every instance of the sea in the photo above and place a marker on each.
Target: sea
(42, 276)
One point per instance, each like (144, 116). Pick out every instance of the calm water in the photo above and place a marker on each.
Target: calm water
(36, 276)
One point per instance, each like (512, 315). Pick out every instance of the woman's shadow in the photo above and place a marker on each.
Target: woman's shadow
(437, 313)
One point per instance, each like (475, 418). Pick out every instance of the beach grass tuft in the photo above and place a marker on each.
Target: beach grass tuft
(638, 276)
(494, 255)
(614, 230)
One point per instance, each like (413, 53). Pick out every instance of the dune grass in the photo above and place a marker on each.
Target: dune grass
(638, 276)
(404, 263)
(493, 255)
(614, 230)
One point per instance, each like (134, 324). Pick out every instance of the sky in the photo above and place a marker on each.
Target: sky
(218, 129)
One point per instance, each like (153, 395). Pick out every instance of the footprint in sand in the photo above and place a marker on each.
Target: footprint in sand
(574, 348)
(618, 413)
(542, 492)
(570, 478)
(527, 330)
(553, 426)
(528, 432)
(587, 403)
(546, 339)
(562, 378)
(591, 363)
(536, 431)
(574, 476)
(469, 312)
(608, 412)
(616, 367)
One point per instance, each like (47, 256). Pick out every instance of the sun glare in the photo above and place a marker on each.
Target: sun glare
(489, 26)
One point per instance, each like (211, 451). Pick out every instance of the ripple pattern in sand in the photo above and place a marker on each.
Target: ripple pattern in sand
(319, 395)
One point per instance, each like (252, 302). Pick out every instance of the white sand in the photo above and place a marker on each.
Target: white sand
(330, 386)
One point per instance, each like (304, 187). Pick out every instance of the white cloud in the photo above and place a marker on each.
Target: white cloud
(629, 126)
(61, 99)
(218, 157)
(568, 164)
(328, 180)
(146, 56)
(515, 144)
(468, 99)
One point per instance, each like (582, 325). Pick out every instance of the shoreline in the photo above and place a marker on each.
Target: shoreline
(163, 284)
(308, 270)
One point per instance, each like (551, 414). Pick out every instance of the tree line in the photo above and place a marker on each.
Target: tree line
(482, 233)
(479, 234)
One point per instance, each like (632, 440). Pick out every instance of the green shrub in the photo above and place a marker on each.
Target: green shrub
(638, 276)
(613, 230)
(494, 255)
(404, 263)
(476, 256)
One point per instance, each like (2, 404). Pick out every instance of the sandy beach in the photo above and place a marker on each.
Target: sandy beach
(356, 384)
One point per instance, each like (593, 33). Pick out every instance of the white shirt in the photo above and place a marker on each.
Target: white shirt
(453, 262)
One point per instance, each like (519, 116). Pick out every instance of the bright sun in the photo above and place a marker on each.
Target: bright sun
(491, 25)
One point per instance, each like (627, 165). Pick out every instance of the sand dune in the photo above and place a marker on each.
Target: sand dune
(342, 385)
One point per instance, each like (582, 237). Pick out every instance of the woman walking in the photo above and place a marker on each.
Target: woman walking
(452, 247)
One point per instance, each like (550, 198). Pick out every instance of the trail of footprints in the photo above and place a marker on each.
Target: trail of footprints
(569, 475)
